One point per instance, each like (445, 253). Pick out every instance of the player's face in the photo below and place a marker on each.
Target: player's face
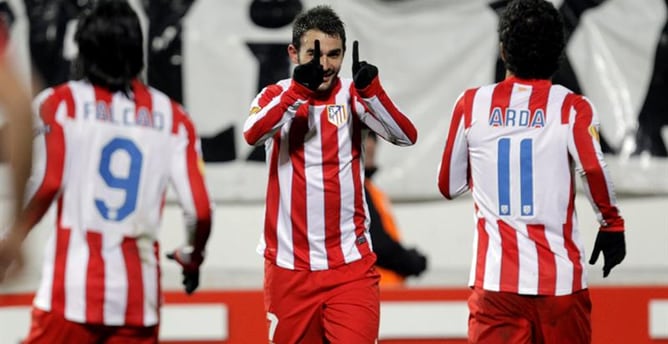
(331, 50)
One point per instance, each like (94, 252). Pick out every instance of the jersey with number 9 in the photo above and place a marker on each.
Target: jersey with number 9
(107, 159)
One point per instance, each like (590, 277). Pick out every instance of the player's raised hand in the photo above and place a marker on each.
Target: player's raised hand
(310, 74)
(190, 263)
(613, 246)
(363, 72)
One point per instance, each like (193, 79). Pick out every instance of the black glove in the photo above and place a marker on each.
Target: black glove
(190, 263)
(363, 72)
(418, 262)
(614, 250)
(310, 74)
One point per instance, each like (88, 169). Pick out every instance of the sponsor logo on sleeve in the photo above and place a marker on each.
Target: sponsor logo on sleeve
(254, 110)
(594, 133)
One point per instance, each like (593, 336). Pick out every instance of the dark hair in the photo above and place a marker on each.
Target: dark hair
(532, 35)
(321, 18)
(110, 43)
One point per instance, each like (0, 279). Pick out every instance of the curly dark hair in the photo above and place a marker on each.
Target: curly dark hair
(532, 35)
(110, 45)
(322, 18)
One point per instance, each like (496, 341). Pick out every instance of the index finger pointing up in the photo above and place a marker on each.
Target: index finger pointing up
(316, 50)
(356, 54)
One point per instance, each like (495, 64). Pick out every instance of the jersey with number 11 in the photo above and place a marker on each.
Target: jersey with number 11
(517, 145)
(107, 159)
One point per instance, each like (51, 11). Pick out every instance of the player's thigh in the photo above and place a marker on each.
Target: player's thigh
(566, 319)
(293, 305)
(352, 312)
(133, 335)
(49, 328)
(497, 318)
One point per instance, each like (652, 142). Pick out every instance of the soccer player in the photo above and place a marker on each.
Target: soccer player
(518, 145)
(108, 146)
(320, 281)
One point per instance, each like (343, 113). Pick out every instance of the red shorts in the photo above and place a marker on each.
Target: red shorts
(340, 305)
(49, 328)
(510, 318)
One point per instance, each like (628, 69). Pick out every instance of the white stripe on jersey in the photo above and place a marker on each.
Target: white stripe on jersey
(115, 281)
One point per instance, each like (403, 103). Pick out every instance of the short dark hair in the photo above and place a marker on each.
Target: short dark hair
(532, 35)
(321, 18)
(110, 41)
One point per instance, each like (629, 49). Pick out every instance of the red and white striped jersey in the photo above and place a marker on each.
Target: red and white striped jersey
(517, 145)
(107, 161)
(316, 215)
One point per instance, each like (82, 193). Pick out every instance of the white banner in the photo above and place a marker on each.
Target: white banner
(427, 52)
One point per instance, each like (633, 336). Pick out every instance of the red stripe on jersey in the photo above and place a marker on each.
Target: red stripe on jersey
(509, 258)
(134, 313)
(94, 279)
(547, 265)
(584, 143)
(102, 95)
(569, 243)
(360, 215)
(538, 100)
(198, 188)
(273, 200)
(481, 253)
(298, 129)
(144, 101)
(566, 108)
(332, 188)
(462, 110)
(501, 97)
(60, 261)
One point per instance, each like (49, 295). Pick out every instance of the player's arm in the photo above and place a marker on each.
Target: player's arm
(187, 178)
(46, 180)
(453, 171)
(585, 149)
(47, 175)
(16, 102)
(375, 108)
(272, 108)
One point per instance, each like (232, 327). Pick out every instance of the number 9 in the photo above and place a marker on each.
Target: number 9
(129, 184)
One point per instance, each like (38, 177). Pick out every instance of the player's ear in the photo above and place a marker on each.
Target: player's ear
(293, 53)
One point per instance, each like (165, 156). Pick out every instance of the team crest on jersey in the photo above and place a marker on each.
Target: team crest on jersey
(337, 114)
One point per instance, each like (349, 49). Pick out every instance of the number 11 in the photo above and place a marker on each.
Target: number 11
(526, 177)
